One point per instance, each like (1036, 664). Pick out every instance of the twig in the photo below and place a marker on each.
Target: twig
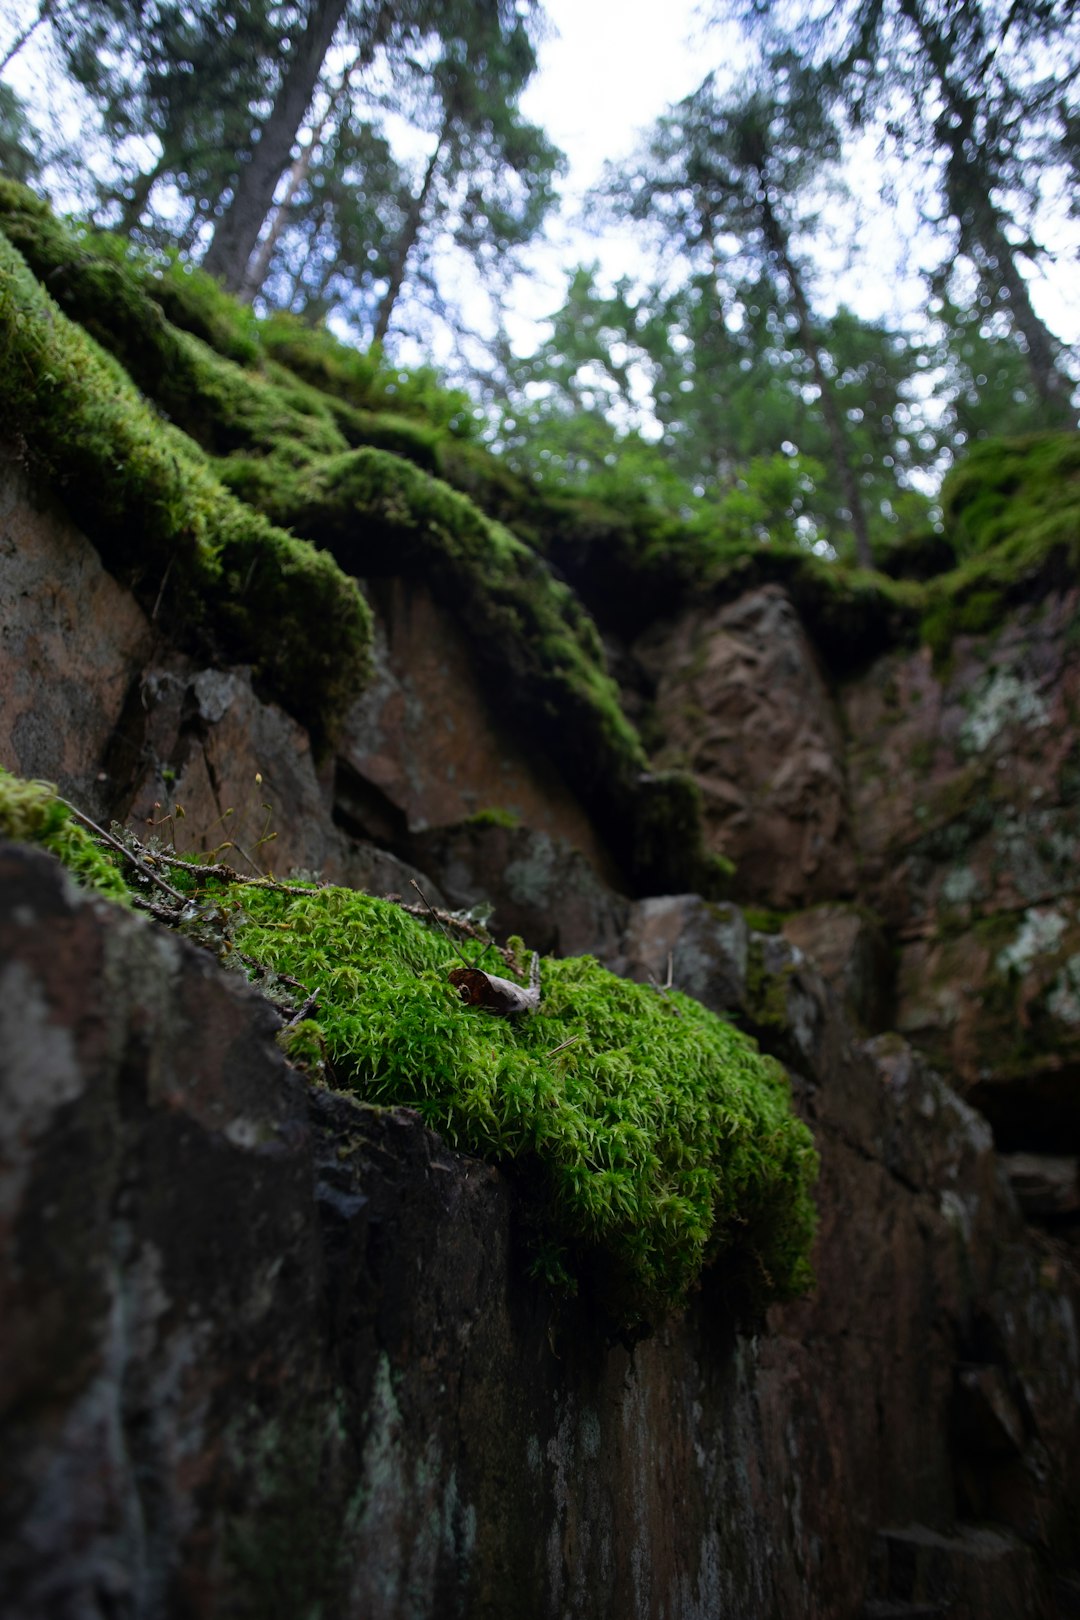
(162, 913)
(663, 989)
(570, 1039)
(99, 832)
(438, 920)
(161, 587)
(309, 1005)
(446, 920)
(219, 869)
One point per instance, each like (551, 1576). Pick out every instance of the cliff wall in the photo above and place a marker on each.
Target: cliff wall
(272, 1350)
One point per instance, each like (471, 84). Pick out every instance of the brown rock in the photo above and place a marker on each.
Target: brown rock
(964, 781)
(224, 772)
(743, 706)
(848, 947)
(423, 737)
(698, 948)
(71, 643)
(539, 886)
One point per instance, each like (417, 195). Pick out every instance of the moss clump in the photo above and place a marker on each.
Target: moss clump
(1012, 509)
(493, 816)
(665, 827)
(31, 813)
(658, 1138)
(766, 991)
(281, 445)
(648, 1135)
(1024, 489)
(221, 576)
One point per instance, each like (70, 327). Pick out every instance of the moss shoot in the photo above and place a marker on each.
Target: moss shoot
(648, 1136)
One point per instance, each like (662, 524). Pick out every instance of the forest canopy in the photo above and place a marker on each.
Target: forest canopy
(371, 165)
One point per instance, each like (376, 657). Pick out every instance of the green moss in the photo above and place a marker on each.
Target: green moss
(649, 1136)
(218, 574)
(196, 303)
(1012, 509)
(361, 381)
(282, 447)
(1027, 488)
(380, 515)
(656, 1139)
(31, 813)
(665, 821)
(766, 992)
(763, 921)
(493, 816)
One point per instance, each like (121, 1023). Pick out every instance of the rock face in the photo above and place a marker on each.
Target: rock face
(267, 1352)
(267, 1349)
(946, 799)
(743, 706)
(71, 643)
(421, 747)
(966, 789)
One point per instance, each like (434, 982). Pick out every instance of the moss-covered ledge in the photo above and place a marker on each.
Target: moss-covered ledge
(646, 1136)
(213, 573)
(282, 447)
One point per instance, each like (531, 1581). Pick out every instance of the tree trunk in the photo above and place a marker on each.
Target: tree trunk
(985, 238)
(260, 264)
(968, 185)
(406, 241)
(777, 242)
(253, 195)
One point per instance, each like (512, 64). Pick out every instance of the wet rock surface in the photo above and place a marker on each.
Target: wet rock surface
(266, 1348)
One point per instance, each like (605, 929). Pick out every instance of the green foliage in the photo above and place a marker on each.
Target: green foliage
(220, 574)
(730, 384)
(20, 155)
(31, 813)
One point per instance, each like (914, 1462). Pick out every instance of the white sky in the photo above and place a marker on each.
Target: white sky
(610, 68)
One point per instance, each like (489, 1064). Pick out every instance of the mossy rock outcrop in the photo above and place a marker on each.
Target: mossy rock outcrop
(648, 1136)
(218, 574)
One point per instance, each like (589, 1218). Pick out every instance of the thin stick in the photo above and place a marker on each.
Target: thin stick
(563, 1045)
(99, 832)
(309, 1005)
(439, 921)
(220, 870)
